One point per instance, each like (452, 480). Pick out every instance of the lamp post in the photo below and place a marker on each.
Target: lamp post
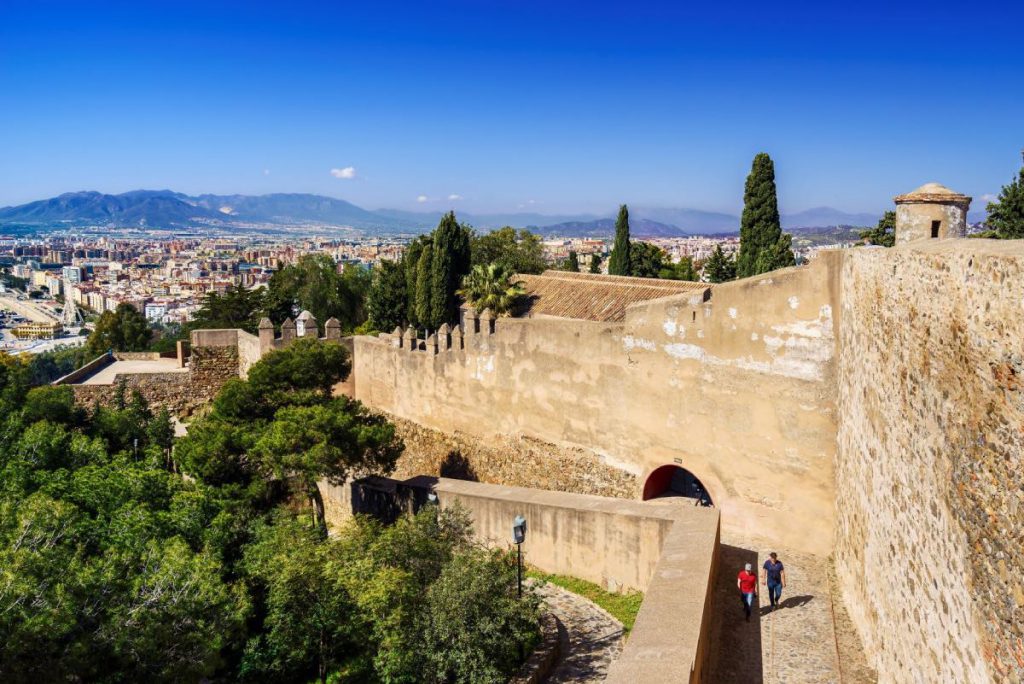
(519, 536)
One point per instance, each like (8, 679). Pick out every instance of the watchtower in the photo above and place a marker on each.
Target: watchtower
(933, 211)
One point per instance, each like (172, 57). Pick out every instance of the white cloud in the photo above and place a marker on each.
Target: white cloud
(347, 173)
(989, 198)
(422, 198)
(454, 198)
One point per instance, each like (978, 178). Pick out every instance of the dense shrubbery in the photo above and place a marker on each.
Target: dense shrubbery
(115, 567)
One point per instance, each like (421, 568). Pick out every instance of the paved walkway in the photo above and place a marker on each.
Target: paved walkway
(591, 640)
(808, 639)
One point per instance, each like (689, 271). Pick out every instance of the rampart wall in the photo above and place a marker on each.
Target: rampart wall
(737, 388)
(930, 480)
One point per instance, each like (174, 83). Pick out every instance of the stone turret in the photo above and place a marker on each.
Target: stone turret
(265, 332)
(305, 325)
(287, 331)
(411, 342)
(332, 329)
(933, 211)
(486, 322)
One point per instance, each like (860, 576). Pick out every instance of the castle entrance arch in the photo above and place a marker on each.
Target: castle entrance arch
(672, 480)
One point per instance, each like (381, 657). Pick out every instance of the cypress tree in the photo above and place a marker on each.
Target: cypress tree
(573, 264)
(1006, 214)
(762, 244)
(423, 289)
(411, 262)
(450, 262)
(595, 263)
(619, 261)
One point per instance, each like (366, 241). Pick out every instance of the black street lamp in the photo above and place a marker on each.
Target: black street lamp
(519, 536)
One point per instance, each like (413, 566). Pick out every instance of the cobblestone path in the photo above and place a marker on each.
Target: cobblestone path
(808, 639)
(591, 640)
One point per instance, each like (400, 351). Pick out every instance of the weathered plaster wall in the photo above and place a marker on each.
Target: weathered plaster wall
(738, 389)
(914, 221)
(930, 493)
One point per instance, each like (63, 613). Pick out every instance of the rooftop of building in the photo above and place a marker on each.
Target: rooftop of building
(595, 297)
(932, 192)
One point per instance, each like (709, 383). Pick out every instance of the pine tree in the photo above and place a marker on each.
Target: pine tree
(1006, 214)
(595, 263)
(619, 262)
(884, 234)
(423, 286)
(573, 263)
(719, 267)
(762, 243)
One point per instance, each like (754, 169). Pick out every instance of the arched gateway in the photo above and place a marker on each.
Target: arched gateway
(672, 480)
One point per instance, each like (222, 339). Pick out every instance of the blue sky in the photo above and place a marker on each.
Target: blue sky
(499, 106)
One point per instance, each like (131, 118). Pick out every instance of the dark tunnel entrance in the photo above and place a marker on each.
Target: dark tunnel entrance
(670, 481)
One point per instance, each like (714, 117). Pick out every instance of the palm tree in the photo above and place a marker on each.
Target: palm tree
(491, 287)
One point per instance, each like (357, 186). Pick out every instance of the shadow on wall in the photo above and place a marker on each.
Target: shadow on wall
(458, 467)
(736, 646)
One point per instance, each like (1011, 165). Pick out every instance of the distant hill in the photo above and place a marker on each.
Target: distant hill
(168, 209)
(153, 208)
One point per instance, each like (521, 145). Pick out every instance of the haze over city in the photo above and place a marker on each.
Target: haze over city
(510, 106)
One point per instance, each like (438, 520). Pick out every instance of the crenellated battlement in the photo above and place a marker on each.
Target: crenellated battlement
(446, 338)
(303, 326)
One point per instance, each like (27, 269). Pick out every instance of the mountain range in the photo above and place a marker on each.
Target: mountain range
(167, 209)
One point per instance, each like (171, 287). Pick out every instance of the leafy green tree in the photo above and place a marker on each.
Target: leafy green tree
(124, 329)
(314, 284)
(621, 260)
(683, 270)
(519, 251)
(476, 625)
(884, 234)
(237, 307)
(595, 263)
(763, 247)
(645, 260)
(1006, 214)
(491, 287)
(424, 282)
(719, 267)
(386, 300)
(310, 623)
(572, 264)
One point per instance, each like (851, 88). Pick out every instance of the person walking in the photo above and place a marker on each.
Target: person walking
(774, 575)
(747, 584)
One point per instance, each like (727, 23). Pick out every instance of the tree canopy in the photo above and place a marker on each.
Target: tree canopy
(620, 261)
(313, 283)
(719, 268)
(386, 299)
(763, 245)
(491, 287)
(518, 251)
(884, 234)
(123, 329)
(1006, 213)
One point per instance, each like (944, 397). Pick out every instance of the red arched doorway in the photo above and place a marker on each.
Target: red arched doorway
(671, 480)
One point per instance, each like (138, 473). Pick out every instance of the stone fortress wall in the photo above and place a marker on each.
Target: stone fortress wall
(929, 476)
(868, 405)
(735, 387)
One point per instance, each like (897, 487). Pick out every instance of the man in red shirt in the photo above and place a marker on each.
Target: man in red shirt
(747, 584)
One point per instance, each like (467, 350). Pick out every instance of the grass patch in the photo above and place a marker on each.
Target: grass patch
(623, 607)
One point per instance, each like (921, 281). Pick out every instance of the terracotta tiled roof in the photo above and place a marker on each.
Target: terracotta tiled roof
(595, 297)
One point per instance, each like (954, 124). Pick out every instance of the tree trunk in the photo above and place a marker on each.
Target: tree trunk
(317, 503)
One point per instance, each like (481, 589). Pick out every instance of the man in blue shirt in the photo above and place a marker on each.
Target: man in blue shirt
(774, 575)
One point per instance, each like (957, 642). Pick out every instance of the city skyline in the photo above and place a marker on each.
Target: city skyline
(501, 109)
